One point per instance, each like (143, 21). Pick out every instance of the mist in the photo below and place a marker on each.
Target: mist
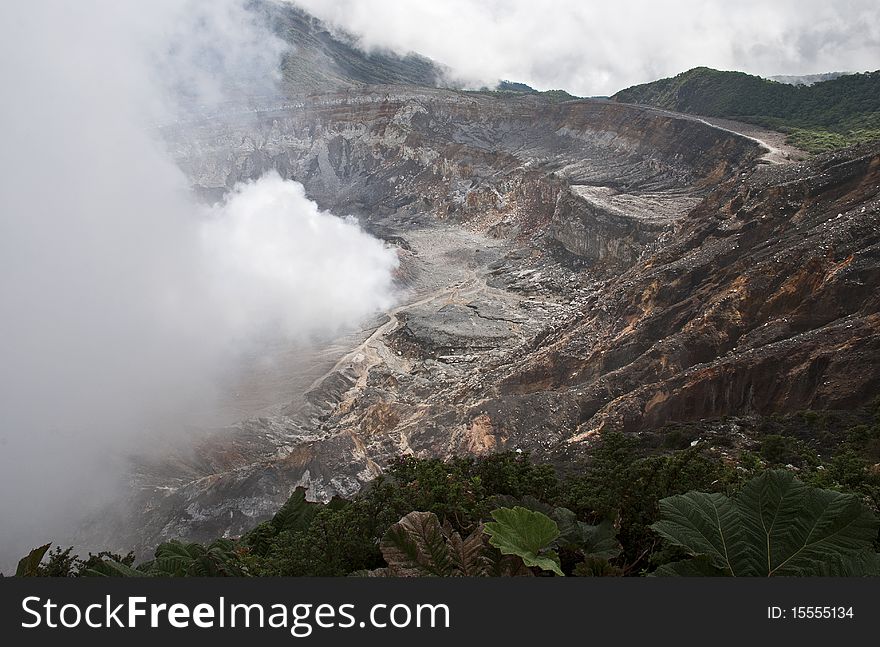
(125, 300)
(599, 48)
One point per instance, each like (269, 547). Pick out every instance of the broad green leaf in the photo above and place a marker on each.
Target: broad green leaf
(527, 534)
(695, 567)
(29, 565)
(795, 527)
(548, 561)
(570, 533)
(776, 525)
(865, 563)
(467, 554)
(498, 565)
(599, 541)
(415, 546)
(706, 524)
(418, 546)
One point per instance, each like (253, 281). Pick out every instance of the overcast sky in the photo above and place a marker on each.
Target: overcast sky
(597, 48)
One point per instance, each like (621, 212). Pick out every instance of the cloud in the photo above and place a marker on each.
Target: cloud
(315, 272)
(598, 48)
(123, 299)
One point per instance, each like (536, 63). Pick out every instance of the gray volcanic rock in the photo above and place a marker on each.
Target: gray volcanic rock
(568, 267)
(582, 171)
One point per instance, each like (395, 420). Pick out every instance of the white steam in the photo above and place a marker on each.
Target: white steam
(279, 263)
(599, 48)
(123, 299)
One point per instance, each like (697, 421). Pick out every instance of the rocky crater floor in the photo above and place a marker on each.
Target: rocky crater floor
(566, 269)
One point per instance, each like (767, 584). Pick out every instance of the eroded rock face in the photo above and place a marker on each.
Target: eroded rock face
(766, 301)
(510, 168)
(570, 268)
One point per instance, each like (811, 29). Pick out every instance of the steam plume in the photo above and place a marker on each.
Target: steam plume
(123, 298)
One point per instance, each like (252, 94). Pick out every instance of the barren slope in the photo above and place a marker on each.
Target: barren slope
(567, 268)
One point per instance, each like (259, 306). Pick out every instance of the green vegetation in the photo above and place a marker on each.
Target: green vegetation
(653, 503)
(513, 86)
(418, 545)
(819, 117)
(510, 89)
(776, 525)
(518, 542)
(528, 534)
